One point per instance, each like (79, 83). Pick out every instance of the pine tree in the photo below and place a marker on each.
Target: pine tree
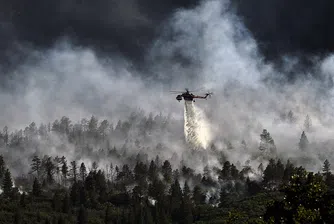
(198, 196)
(176, 199)
(58, 163)
(288, 171)
(56, 126)
(303, 142)
(326, 168)
(234, 172)
(329, 179)
(225, 173)
(270, 172)
(307, 123)
(157, 162)
(152, 171)
(64, 171)
(93, 129)
(83, 172)
(36, 166)
(267, 144)
(279, 173)
(7, 184)
(43, 130)
(95, 166)
(36, 188)
(64, 126)
(103, 129)
(111, 170)
(74, 171)
(2, 167)
(157, 189)
(167, 171)
(5, 135)
(291, 117)
(50, 169)
(187, 216)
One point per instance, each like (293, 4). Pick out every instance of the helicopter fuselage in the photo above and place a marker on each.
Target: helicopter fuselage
(188, 97)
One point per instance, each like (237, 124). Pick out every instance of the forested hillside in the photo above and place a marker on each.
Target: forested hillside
(95, 172)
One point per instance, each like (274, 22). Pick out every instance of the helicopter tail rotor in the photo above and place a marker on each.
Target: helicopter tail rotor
(209, 94)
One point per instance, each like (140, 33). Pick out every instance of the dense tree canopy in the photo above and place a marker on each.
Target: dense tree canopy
(130, 186)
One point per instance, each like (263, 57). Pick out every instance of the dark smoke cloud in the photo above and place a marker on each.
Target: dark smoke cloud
(129, 27)
(125, 27)
(302, 28)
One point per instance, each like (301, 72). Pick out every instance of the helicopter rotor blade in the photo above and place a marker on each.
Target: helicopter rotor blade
(186, 89)
(197, 90)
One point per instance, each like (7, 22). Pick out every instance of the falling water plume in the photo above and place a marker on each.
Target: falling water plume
(196, 127)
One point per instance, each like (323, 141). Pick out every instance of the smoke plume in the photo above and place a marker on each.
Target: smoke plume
(204, 46)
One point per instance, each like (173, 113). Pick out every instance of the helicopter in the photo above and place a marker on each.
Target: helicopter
(187, 96)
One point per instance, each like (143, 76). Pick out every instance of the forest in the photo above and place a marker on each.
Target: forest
(95, 172)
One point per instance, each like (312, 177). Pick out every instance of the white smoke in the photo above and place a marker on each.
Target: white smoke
(75, 82)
